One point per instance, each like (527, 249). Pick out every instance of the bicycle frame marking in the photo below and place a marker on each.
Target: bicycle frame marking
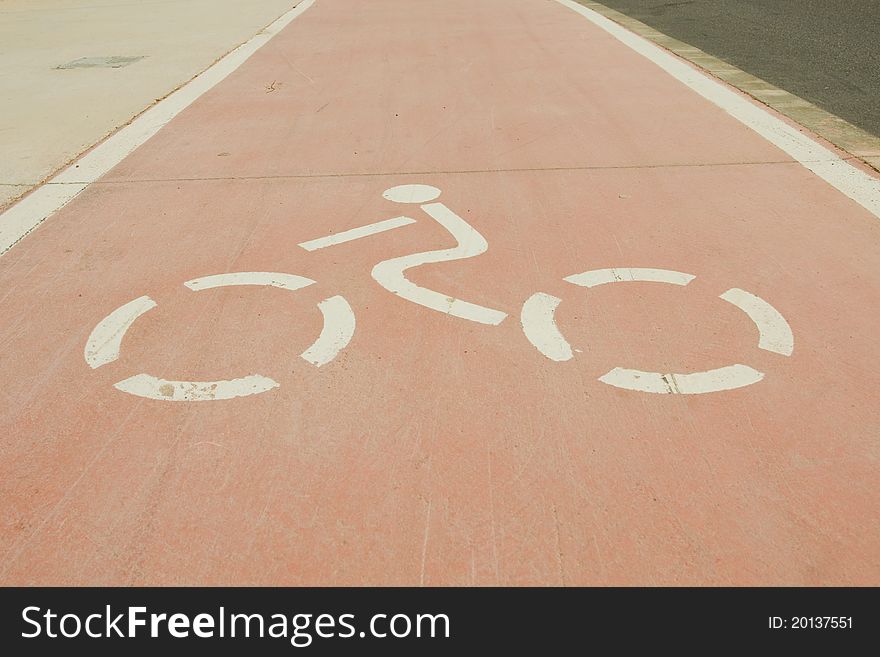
(356, 233)
(538, 315)
(390, 273)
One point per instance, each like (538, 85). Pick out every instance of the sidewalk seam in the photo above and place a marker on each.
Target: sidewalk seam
(369, 174)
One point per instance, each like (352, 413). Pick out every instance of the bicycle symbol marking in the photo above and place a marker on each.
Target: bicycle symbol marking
(537, 317)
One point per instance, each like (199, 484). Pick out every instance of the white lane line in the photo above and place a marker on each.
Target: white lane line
(356, 233)
(27, 214)
(625, 274)
(151, 387)
(539, 325)
(774, 332)
(390, 273)
(43, 202)
(267, 278)
(723, 378)
(104, 343)
(339, 324)
(861, 187)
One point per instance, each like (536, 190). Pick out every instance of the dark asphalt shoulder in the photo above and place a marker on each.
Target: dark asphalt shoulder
(825, 52)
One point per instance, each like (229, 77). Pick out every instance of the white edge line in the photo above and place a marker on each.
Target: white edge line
(539, 325)
(356, 233)
(104, 343)
(858, 185)
(338, 329)
(20, 219)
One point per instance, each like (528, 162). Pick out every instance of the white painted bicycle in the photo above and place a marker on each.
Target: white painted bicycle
(537, 315)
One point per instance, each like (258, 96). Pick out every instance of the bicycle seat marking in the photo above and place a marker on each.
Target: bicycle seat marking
(537, 316)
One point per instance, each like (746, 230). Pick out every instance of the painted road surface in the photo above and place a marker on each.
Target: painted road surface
(449, 293)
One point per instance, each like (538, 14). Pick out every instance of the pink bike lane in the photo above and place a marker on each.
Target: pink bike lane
(431, 448)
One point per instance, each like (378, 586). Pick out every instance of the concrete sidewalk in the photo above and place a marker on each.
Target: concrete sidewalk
(49, 115)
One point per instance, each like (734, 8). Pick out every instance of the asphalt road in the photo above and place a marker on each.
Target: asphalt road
(824, 51)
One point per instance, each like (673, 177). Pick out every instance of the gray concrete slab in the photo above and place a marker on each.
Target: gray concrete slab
(49, 114)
